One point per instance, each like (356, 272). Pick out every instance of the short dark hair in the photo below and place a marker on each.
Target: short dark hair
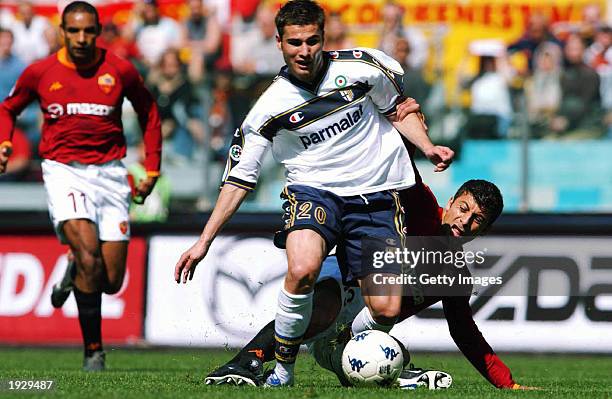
(80, 6)
(299, 12)
(10, 32)
(487, 196)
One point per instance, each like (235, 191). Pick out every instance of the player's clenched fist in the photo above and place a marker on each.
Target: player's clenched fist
(186, 265)
(143, 189)
(440, 156)
(5, 153)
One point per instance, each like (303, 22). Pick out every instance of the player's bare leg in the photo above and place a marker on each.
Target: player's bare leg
(82, 238)
(306, 250)
(114, 256)
(383, 306)
(61, 291)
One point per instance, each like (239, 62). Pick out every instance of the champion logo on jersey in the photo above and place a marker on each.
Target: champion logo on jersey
(106, 83)
(348, 95)
(55, 86)
(296, 117)
(357, 53)
(334, 54)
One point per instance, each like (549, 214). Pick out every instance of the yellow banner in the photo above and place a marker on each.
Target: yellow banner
(451, 25)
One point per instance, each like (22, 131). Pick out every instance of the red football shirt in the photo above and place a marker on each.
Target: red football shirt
(423, 218)
(82, 109)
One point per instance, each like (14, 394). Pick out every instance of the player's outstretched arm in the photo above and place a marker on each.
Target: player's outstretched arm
(474, 346)
(227, 204)
(150, 125)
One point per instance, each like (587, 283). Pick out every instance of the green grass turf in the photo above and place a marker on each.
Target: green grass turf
(179, 373)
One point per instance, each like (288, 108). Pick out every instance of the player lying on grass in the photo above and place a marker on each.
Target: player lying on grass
(470, 212)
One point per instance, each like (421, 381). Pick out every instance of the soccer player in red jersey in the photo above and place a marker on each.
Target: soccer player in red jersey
(80, 90)
(470, 212)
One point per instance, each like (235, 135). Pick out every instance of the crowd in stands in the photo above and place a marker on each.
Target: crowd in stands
(207, 69)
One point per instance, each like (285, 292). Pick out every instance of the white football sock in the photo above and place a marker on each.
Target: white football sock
(292, 314)
(292, 318)
(364, 321)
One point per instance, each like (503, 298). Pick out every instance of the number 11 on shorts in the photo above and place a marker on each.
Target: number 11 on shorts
(74, 196)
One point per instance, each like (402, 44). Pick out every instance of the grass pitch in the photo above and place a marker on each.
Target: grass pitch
(179, 373)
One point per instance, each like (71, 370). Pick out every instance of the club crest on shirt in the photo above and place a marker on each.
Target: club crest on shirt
(123, 227)
(340, 81)
(235, 152)
(106, 83)
(348, 95)
(55, 86)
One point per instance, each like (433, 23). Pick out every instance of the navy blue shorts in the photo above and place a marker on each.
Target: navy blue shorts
(345, 222)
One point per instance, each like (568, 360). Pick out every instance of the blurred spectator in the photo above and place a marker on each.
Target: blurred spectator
(543, 89)
(30, 32)
(110, 38)
(19, 165)
(255, 51)
(490, 113)
(201, 34)
(591, 23)
(6, 17)
(179, 109)
(11, 67)
(221, 119)
(579, 115)
(538, 32)
(223, 9)
(255, 59)
(415, 85)
(586, 27)
(599, 57)
(393, 28)
(54, 41)
(152, 32)
(595, 54)
(336, 33)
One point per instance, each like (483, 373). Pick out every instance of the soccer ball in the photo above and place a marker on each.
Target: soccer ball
(372, 358)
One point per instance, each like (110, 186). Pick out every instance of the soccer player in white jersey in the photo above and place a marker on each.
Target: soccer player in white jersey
(329, 118)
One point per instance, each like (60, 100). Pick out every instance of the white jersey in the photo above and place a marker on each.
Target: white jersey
(331, 135)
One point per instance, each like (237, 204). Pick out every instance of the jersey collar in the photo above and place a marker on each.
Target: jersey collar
(62, 57)
(311, 87)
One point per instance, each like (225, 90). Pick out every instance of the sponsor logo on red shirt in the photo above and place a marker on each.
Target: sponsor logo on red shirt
(55, 86)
